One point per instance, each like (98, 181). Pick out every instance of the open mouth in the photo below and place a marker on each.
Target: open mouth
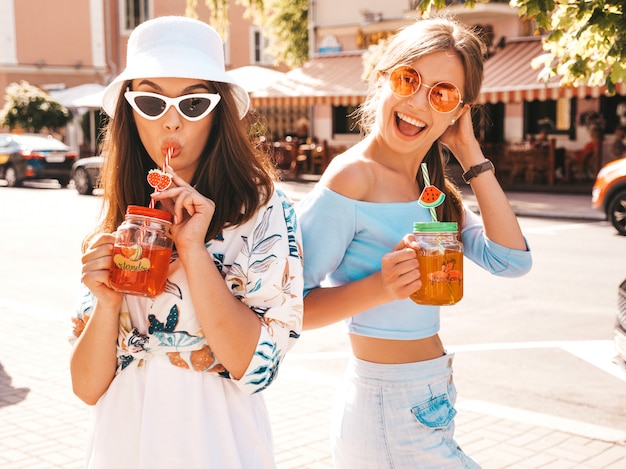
(408, 126)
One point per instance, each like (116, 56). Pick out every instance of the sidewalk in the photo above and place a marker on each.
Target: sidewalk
(43, 425)
(525, 204)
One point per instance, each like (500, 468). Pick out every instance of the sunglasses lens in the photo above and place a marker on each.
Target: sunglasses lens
(404, 81)
(150, 105)
(194, 107)
(153, 106)
(444, 97)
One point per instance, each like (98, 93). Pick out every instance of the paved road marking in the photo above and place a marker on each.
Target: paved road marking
(599, 353)
(560, 227)
(588, 430)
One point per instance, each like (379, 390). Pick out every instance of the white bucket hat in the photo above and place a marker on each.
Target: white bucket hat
(174, 46)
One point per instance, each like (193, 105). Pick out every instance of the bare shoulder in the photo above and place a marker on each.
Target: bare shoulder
(349, 174)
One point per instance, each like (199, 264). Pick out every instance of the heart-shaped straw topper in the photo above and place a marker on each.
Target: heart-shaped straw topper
(159, 179)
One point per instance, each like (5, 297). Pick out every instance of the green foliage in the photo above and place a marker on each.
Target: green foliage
(191, 9)
(100, 121)
(371, 57)
(585, 40)
(219, 16)
(31, 109)
(283, 22)
(255, 9)
(287, 25)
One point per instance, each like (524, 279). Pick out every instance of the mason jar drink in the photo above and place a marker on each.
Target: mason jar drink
(142, 251)
(440, 256)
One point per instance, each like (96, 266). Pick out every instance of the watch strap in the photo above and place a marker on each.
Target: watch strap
(477, 169)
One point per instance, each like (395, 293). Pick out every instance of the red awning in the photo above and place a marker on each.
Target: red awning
(336, 80)
(326, 79)
(510, 78)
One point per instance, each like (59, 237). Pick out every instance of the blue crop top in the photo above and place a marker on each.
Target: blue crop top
(345, 239)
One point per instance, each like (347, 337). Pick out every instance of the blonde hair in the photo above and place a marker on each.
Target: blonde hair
(424, 37)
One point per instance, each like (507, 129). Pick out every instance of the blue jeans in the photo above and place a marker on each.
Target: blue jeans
(397, 416)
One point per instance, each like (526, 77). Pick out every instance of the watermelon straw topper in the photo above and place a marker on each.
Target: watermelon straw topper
(431, 196)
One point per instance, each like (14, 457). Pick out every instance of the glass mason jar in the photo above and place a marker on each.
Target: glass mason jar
(142, 251)
(440, 256)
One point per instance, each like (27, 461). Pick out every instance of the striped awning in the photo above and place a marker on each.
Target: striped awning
(325, 79)
(510, 78)
(337, 80)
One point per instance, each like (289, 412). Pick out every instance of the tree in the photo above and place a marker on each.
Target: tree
(287, 26)
(585, 40)
(283, 22)
(29, 108)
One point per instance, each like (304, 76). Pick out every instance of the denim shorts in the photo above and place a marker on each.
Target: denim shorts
(397, 416)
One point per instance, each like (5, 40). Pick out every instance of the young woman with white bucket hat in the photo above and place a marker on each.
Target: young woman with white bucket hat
(175, 378)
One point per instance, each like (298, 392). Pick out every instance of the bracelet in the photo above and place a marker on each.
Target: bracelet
(477, 169)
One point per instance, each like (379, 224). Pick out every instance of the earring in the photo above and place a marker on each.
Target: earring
(452, 121)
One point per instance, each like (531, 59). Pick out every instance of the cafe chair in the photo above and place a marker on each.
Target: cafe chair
(286, 158)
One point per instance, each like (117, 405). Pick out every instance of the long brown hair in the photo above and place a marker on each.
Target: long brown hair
(425, 37)
(231, 172)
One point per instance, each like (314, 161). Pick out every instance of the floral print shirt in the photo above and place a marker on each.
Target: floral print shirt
(261, 263)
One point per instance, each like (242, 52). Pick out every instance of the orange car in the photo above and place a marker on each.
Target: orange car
(609, 193)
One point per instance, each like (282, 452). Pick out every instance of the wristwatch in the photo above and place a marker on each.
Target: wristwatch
(477, 169)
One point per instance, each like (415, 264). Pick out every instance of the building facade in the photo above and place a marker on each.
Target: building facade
(68, 44)
(72, 49)
(516, 103)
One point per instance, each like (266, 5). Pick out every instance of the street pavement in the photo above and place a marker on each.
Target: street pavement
(43, 425)
(525, 203)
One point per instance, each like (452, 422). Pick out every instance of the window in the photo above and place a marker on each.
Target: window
(134, 12)
(558, 115)
(344, 121)
(613, 108)
(258, 48)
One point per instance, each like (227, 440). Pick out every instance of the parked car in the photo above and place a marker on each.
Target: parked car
(609, 193)
(86, 174)
(34, 156)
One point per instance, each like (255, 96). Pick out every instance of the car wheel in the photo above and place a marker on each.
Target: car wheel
(616, 212)
(82, 182)
(10, 176)
(64, 182)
